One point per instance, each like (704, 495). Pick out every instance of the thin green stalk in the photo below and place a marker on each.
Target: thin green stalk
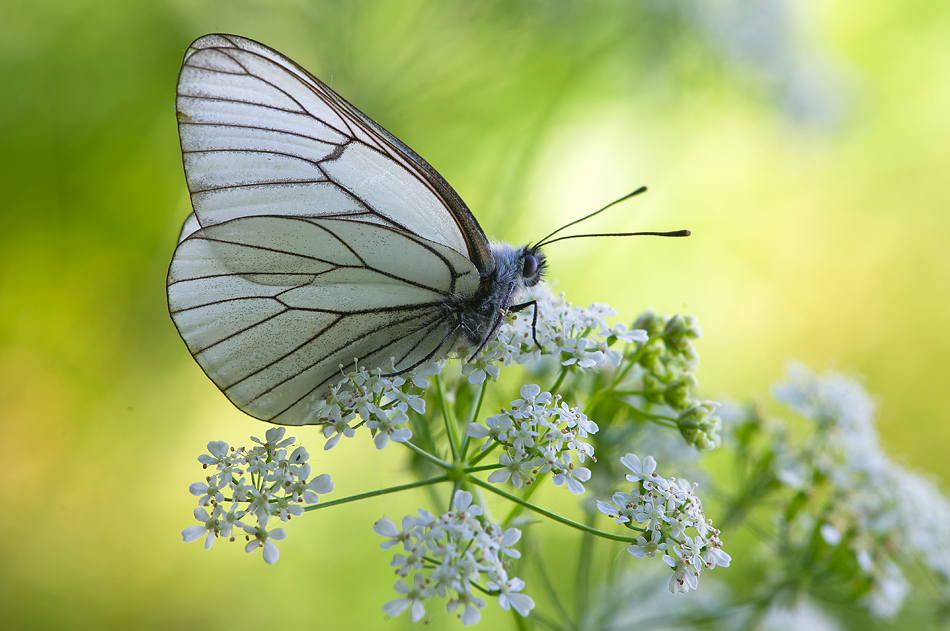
(620, 375)
(665, 421)
(484, 467)
(559, 381)
(422, 453)
(473, 417)
(563, 520)
(584, 557)
(455, 488)
(377, 493)
(552, 594)
(520, 622)
(479, 457)
(517, 508)
(447, 417)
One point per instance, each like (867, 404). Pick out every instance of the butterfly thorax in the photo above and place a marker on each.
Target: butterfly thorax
(516, 269)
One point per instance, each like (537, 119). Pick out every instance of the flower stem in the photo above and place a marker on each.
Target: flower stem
(567, 522)
(520, 622)
(559, 381)
(478, 458)
(473, 417)
(584, 559)
(448, 418)
(484, 467)
(517, 508)
(422, 453)
(377, 492)
(621, 374)
(665, 421)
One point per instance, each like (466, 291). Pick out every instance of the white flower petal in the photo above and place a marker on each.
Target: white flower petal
(193, 533)
(271, 553)
(396, 606)
(498, 476)
(418, 611)
(322, 484)
(386, 527)
(522, 603)
(475, 430)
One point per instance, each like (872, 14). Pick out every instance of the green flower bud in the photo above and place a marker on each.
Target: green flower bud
(651, 357)
(677, 394)
(653, 388)
(677, 335)
(699, 427)
(652, 323)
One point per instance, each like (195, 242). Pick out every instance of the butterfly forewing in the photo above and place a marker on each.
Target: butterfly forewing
(275, 125)
(317, 237)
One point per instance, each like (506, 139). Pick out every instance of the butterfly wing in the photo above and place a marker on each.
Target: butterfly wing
(316, 236)
(260, 135)
(271, 306)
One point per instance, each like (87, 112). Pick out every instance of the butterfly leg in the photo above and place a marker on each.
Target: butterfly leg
(496, 323)
(534, 320)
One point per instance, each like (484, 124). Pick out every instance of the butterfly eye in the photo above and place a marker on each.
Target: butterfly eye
(530, 266)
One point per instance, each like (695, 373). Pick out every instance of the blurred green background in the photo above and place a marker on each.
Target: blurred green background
(806, 144)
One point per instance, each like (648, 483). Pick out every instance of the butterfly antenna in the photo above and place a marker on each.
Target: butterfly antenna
(642, 189)
(674, 233)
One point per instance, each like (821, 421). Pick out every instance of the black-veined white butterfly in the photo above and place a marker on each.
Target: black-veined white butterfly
(317, 237)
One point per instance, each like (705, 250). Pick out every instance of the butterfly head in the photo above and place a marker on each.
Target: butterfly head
(517, 268)
(533, 265)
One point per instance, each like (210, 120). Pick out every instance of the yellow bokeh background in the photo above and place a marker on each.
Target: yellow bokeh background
(806, 145)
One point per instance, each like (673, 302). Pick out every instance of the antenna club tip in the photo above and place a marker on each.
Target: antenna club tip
(686, 233)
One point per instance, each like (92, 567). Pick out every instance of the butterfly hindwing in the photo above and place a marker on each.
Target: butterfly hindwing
(270, 307)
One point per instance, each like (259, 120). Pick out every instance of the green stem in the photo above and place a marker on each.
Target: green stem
(479, 457)
(517, 508)
(656, 418)
(567, 522)
(425, 455)
(473, 417)
(520, 623)
(484, 467)
(621, 374)
(584, 558)
(559, 381)
(378, 492)
(449, 421)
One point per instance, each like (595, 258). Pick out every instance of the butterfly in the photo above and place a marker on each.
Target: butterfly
(317, 238)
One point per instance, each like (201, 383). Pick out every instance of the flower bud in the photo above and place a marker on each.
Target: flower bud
(677, 394)
(652, 323)
(699, 427)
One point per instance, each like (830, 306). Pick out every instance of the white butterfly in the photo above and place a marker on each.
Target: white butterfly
(317, 237)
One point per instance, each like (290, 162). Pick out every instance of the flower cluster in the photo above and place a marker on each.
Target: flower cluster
(871, 507)
(447, 556)
(670, 511)
(580, 338)
(461, 556)
(279, 483)
(539, 434)
(379, 402)
(663, 373)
